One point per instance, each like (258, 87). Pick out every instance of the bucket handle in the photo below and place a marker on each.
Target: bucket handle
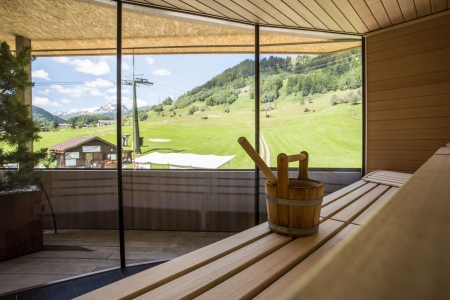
(283, 161)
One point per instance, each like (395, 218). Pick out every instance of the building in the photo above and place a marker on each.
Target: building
(64, 125)
(86, 152)
(106, 122)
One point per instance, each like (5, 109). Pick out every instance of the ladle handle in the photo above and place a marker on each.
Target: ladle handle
(257, 159)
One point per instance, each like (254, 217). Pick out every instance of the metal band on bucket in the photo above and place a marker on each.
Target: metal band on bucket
(293, 231)
(291, 202)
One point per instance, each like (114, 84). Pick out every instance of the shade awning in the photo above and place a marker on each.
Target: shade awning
(197, 161)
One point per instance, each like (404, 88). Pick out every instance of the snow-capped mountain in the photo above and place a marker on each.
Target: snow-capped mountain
(106, 110)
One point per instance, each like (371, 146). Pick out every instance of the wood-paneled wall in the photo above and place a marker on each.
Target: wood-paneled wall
(164, 200)
(408, 94)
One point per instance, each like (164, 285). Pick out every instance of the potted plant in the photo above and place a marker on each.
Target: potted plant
(21, 226)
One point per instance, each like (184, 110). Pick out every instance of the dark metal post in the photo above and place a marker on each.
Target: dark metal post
(257, 109)
(119, 134)
(364, 107)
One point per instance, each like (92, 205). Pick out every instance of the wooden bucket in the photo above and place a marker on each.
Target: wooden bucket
(293, 204)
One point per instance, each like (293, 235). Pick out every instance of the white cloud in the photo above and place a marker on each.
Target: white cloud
(111, 98)
(99, 83)
(65, 100)
(125, 66)
(150, 60)
(96, 92)
(40, 74)
(129, 102)
(44, 102)
(86, 66)
(77, 91)
(44, 92)
(62, 59)
(112, 90)
(89, 67)
(161, 72)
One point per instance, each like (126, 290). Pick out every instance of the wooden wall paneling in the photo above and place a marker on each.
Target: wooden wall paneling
(268, 11)
(223, 9)
(321, 14)
(415, 27)
(408, 60)
(411, 49)
(413, 102)
(352, 16)
(413, 113)
(436, 122)
(412, 38)
(203, 8)
(438, 5)
(378, 11)
(363, 10)
(241, 11)
(418, 91)
(410, 81)
(393, 10)
(306, 14)
(336, 15)
(423, 8)
(401, 154)
(406, 144)
(408, 9)
(290, 13)
(407, 166)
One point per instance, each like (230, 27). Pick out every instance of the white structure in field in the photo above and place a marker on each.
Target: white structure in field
(186, 160)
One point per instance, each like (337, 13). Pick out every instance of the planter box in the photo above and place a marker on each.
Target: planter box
(21, 224)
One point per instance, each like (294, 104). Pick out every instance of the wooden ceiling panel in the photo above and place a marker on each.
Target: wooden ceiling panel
(408, 9)
(224, 10)
(321, 14)
(259, 11)
(272, 11)
(365, 14)
(378, 11)
(393, 10)
(181, 5)
(438, 5)
(241, 11)
(306, 14)
(336, 15)
(290, 13)
(203, 8)
(154, 2)
(423, 7)
(352, 15)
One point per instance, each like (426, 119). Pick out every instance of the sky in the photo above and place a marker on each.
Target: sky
(70, 84)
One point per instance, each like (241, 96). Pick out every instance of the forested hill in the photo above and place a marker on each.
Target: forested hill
(42, 116)
(306, 74)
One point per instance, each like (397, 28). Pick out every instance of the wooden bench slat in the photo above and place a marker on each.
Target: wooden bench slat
(342, 192)
(145, 281)
(341, 203)
(277, 288)
(388, 178)
(362, 218)
(251, 281)
(392, 173)
(352, 211)
(401, 253)
(200, 280)
(384, 182)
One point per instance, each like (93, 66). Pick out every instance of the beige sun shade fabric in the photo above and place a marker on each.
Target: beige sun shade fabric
(69, 27)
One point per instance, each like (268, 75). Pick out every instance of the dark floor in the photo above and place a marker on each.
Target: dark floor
(72, 253)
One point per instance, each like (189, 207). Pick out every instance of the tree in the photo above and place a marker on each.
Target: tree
(17, 128)
(142, 116)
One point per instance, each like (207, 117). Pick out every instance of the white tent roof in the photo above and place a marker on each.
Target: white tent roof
(186, 160)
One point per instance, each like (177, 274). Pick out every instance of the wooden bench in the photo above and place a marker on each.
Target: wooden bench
(257, 262)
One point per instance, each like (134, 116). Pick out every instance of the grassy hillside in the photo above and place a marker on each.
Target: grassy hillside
(330, 133)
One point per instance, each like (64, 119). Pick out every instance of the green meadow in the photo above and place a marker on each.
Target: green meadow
(331, 134)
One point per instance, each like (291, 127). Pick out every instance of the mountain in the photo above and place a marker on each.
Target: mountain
(106, 110)
(41, 115)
